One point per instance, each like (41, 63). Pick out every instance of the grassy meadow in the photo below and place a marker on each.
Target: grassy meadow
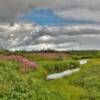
(21, 82)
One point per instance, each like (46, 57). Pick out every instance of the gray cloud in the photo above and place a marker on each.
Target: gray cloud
(84, 9)
(30, 37)
(9, 9)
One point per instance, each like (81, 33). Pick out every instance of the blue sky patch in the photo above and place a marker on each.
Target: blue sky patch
(47, 17)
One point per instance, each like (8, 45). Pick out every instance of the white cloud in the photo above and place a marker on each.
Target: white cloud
(78, 37)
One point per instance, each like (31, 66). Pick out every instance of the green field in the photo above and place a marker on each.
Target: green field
(33, 85)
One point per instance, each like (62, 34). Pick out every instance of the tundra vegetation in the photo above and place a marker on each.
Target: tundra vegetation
(23, 75)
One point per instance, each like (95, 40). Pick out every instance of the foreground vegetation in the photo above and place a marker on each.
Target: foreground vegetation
(32, 84)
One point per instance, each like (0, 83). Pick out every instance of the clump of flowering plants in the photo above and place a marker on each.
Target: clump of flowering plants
(26, 64)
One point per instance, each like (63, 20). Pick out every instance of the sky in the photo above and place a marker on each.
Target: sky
(60, 24)
(73, 9)
(43, 16)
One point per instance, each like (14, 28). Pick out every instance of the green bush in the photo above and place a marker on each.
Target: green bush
(57, 66)
(14, 87)
(89, 80)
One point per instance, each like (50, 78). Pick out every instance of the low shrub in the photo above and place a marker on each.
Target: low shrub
(57, 66)
(89, 80)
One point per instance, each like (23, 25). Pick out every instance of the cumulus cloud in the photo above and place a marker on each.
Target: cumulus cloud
(19, 37)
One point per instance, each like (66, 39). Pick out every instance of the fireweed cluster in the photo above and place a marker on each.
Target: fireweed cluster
(26, 64)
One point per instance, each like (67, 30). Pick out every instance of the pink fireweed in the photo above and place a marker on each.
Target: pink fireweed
(25, 62)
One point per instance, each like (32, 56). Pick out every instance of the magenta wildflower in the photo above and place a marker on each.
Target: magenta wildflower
(25, 62)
